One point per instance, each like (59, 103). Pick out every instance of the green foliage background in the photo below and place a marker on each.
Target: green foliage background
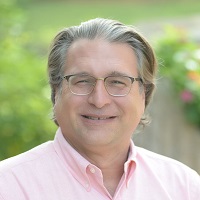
(26, 29)
(25, 106)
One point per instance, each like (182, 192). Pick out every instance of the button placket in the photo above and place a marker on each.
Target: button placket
(87, 186)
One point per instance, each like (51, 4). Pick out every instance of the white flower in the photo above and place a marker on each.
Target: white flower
(191, 64)
(196, 54)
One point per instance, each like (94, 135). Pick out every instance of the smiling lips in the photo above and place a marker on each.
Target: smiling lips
(98, 118)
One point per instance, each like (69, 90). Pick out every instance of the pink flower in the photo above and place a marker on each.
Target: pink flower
(186, 96)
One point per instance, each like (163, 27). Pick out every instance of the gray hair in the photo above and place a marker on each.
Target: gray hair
(111, 31)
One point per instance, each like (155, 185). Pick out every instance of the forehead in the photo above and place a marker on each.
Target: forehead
(100, 55)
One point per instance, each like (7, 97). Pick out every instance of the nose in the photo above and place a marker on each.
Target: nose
(99, 96)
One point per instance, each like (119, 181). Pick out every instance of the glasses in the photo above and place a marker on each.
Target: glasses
(116, 85)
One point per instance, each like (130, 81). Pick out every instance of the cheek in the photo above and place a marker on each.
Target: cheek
(62, 106)
(137, 106)
(57, 110)
(66, 106)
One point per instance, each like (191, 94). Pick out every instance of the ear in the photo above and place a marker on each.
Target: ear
(142, 91)
(143, 99)
(55, 95)
(143, 94)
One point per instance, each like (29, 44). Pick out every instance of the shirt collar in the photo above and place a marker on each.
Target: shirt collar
(78, 165)
(72, 160)
(130, 164)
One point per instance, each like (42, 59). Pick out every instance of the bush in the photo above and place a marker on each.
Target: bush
(181, 56)
(24, 103)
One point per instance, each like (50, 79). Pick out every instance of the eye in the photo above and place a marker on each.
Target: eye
(82, 80)
(116, 82)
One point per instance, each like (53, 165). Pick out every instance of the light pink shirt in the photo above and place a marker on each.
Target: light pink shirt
(55, 171)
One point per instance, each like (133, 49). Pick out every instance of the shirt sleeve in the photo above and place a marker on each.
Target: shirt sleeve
(194, 186)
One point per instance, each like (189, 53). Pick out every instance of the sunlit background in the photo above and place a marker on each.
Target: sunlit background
(172, 27)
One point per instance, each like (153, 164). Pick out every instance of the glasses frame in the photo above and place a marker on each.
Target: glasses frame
(67, 77)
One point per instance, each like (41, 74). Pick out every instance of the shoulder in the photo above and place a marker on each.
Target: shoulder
(163, 162)
(168, 168)
(25, 171)
(26, 158)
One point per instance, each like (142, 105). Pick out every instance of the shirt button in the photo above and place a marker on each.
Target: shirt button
(92, 170)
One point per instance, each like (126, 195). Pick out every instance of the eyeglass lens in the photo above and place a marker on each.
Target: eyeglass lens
(115, 85)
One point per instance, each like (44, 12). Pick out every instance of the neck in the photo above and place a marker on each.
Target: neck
(109, 159)
(106, 156)
(111, 165)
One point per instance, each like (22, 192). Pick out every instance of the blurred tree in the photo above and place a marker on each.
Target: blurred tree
(181, 56)
(24, 92)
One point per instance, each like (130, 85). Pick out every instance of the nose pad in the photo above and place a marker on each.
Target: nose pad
(101, 82)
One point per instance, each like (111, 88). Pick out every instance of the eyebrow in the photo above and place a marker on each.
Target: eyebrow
(81, 73)
(117, 73)
(113, 73)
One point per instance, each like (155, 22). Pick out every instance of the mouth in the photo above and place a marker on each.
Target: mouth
(98, 118)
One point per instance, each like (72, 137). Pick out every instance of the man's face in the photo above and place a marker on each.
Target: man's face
(99, 119)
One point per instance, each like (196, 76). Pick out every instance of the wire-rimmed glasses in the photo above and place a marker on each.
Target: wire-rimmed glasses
(116, 85)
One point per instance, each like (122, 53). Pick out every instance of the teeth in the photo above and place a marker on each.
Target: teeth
(97, 118)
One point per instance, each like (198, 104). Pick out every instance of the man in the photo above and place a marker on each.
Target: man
(102, 76)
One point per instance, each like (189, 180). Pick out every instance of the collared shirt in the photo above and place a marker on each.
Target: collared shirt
(55, 171)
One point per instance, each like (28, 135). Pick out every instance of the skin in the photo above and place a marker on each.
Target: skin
(103, 142)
